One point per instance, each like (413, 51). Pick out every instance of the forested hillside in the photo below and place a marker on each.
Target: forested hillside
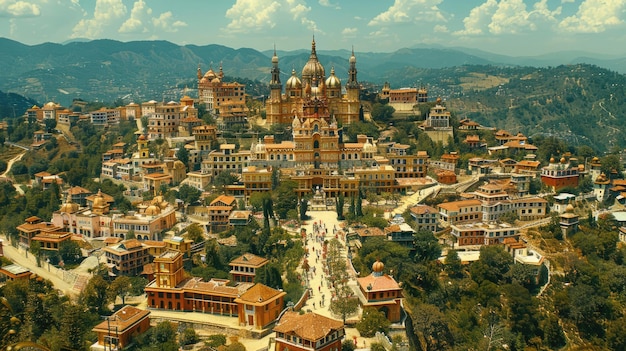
(582, 104)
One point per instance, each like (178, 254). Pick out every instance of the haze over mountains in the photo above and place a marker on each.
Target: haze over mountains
(108, 69)
(550, 94)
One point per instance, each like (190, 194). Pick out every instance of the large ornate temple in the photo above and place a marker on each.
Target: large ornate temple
(313, 95)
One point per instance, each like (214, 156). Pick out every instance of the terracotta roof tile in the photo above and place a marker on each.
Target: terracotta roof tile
(260, 294)
(309, 326)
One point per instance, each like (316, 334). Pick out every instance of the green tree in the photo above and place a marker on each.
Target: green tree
(431, 327)
(492, 264)
(35, 249)
(188, 337)
(224, 178)
(189, 194)
(257, 199)
(553, 335)
(339, 207)
(285, 198)
(94, 296)
(453, 263)
(425, 246)
(382, 113)
(69, 250)
(194, 232)
(372, 321)
(304, 205)
(216, 340)
(275, 178)
(121, 287)
(183, 156)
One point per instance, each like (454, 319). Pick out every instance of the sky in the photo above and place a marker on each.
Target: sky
(508, 27)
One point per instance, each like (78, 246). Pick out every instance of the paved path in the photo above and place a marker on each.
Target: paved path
(318, 285)
(62, 280)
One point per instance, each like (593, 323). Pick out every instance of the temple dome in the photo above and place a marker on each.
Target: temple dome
(293, 82)
(378, 267)
(313, 68)
(333, 82)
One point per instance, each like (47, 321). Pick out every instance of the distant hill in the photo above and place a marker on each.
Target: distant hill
(578, 101)
(139, 70)
(14, 105)
(581, 103)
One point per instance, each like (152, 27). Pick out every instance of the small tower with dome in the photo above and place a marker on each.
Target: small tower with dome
(568, 221)
(381, 291)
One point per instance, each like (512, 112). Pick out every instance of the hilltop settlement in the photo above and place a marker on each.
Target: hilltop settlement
(322, 216)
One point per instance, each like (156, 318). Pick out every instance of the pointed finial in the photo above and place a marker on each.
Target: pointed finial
(274, 49)
(352, 50)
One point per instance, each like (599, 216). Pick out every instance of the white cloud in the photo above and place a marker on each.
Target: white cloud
(508, 17)
(142, 21)
(138, 15)
(595, 16)
(409, 11)
(349, 32)
(440, 28)
(105, 13)
(478, 18)
(10, 8)
(166, 23)
(327, 3)
(251, 15)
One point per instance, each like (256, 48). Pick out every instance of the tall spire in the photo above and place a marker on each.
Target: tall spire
(275, 82)
(352, 81)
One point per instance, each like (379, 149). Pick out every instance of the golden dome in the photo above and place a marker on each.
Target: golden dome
(293, 82)
(595, 160)
(333, 82)
(313, 68)
(69, 206)
(369, 148)
(142, 137)
(569, 208)
(581, 167)
(563, 160)
(438, 102)
(215, 80)
(378, 267)
(153, 210)
(209, 74)
(98, 201)
(552, 160)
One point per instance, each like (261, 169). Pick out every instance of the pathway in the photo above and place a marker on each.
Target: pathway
(319, 286)
(61, 279)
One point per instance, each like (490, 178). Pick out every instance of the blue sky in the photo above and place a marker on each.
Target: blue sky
(510, 27)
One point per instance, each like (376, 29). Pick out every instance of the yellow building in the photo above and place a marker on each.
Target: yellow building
(311, 90)
(226, 100)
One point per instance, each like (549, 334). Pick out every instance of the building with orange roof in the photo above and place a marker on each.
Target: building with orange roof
(259, 306)
(425, 217)
(406, 99)
(173, 290)
(401, 233)
(463, 211)
(309, 331)
(244, 267)
(119, 329)
(34, 226)
(219, 211)
(127, 258)
(382, 292)
(479, 233)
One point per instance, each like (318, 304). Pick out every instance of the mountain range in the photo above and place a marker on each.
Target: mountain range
(558, 94)
(106, 70)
